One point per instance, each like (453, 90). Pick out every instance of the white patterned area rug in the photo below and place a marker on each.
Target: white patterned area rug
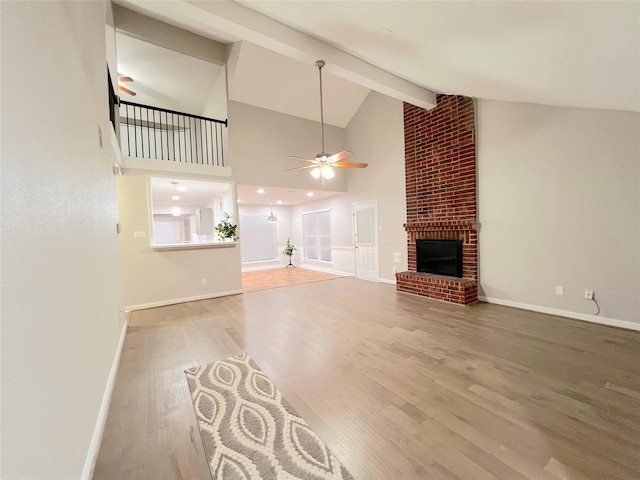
(250, 431)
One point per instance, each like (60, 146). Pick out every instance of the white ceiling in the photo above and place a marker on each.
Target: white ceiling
(269, 80)
(259, 77)
(248, 195)
(194, 192)
(580, 54)
(164, 78)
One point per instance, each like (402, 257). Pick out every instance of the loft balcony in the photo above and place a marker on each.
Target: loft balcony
(159, 139)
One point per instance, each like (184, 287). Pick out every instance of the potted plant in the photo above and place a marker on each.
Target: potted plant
(288, 250)
(226, 230)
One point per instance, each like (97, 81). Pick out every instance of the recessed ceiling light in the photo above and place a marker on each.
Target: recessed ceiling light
(182, 189)
(260, 190)
(279, 202)
(238, 200)
(309, 194)
(175, 197)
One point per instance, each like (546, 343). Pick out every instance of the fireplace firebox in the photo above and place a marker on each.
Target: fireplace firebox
(441, 257)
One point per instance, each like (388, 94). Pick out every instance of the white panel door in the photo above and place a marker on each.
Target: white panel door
(365, 229)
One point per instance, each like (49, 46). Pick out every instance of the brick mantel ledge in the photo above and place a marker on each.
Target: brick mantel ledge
(441, 225)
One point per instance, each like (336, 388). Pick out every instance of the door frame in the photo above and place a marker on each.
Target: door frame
(374, 204)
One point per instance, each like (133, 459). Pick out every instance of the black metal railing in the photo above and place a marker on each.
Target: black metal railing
(161, 134)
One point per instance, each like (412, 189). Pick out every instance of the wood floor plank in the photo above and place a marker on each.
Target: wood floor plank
(399, 386)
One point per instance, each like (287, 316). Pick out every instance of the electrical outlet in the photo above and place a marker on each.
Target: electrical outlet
(559, 290)
(588, 294)
(204, 281)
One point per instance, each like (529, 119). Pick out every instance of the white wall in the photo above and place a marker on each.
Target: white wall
(376, 136)
(216, 105)
(260, 140)
(61, 290)
(154, 277)
(559, 204)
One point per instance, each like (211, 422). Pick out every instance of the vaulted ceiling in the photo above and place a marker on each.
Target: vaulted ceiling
(164, 78)
(577, 54)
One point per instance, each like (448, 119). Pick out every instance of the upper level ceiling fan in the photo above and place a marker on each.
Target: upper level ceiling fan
(322, 163)
(123, 79)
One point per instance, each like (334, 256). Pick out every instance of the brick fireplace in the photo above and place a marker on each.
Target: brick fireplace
(440, 169)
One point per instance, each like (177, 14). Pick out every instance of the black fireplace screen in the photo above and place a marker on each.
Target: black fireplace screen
(442, 257)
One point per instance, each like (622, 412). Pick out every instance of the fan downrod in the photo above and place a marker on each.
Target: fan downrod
(324, 160)
(320, 64)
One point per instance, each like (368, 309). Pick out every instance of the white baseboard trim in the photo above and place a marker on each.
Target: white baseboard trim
(384, 280)
(264, 267)
(326, 270)
(96, 439)
(612, 322)
(164, 303)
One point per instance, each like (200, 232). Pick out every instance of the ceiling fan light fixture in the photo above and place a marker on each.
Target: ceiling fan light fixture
(322, 162)
(324, 171)
(327, 172)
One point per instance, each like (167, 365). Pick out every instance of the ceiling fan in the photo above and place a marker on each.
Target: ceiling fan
(322, 163)
(122, 79)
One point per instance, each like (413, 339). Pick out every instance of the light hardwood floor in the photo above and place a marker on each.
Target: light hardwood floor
(281, 277)
(398, 386)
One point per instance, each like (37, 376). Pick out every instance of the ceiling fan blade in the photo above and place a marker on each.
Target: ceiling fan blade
(300, 168)
(336, 157)
(125, 79)
(301, 158)
(126, 90)
(350, 165)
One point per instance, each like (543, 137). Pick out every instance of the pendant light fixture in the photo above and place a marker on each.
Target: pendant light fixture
(272, 218)
(175, 211)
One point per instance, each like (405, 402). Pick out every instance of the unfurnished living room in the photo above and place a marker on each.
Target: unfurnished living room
(320, 240)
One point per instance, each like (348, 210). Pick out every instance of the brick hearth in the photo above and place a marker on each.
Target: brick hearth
(440, 169)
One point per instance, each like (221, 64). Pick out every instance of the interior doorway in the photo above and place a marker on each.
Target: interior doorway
(365, 240)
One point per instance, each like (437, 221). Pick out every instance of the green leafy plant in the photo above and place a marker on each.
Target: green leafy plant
(225, 229)
(289, 248)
